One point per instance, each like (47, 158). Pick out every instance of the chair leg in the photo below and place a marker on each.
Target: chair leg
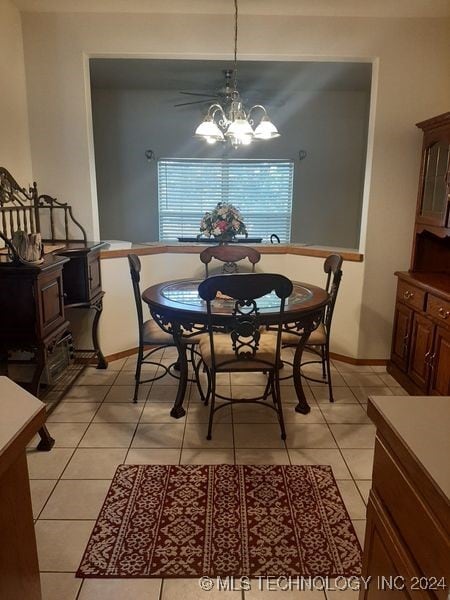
(323, 355)
(137, 375)
(213, 401)
(276, 392)
(208, 387)
(196, 366)
(268, 389)
(330, 385)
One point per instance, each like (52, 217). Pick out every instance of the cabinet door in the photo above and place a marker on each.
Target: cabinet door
(440, 363)
(94, 275)
(385, 559)
(421, 350)
(401, 336)
(434, 183)
(50, 301)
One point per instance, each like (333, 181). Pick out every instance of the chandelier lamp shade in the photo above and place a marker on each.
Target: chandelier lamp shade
(231, 122)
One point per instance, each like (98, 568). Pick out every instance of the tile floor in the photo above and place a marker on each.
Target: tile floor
(97, 428)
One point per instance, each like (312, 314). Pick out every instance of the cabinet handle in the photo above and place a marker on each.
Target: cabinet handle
(431, 360)
(444, 314)
(408, 295)
(405, 342)
(427, 358)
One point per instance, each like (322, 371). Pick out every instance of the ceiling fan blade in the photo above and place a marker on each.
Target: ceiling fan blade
(198, 94)
(205, 101)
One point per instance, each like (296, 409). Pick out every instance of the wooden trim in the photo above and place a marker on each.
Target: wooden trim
(341, 357)
(122, 354)
(358, 361)
(181, 248)
(434, 122)
(404, 380)
(411, 468)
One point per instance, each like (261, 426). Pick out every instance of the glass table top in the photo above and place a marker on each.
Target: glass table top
(186, 293)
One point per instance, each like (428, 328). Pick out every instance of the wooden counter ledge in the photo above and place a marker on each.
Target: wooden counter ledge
(189, 248)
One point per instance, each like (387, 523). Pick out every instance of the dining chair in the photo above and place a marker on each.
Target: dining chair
(236, 340)
(151, 335)
(230, 255)
(319, 341)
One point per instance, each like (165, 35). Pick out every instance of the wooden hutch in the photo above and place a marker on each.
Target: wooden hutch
(34, 298)
(420, 354)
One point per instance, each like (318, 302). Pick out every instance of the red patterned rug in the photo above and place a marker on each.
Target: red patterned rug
(222, 520)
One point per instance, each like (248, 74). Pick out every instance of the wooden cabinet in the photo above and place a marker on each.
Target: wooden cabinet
(407, 541)
(440, 363)
(421, 349)
(433, 204)
(50, 301)
(420, 354)
(82, 276)
(401, 336)
(31, 303)
(21, 416)
(420, 358)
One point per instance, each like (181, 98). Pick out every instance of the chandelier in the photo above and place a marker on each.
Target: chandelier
(233, 123)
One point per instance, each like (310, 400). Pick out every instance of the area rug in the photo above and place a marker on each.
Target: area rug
(222, 520)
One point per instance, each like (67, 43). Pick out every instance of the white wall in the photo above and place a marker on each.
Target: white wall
(413, 84)
(14, 135)
(119, 302)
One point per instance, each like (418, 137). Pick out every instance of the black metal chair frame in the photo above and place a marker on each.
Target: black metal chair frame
(142, 358)
(230, 256)
(244, 331)
(332, 267)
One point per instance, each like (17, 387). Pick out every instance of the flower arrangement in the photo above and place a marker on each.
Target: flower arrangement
(223, 222)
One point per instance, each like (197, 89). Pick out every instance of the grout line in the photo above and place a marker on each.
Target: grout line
(290, 406)
(348, 467)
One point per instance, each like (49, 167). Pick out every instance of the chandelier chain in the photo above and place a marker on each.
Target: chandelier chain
(229, 121)
(235, 43)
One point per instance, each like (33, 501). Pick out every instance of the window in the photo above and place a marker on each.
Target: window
(261, 189)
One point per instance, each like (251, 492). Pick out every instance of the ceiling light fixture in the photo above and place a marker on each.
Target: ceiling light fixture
(233, 123)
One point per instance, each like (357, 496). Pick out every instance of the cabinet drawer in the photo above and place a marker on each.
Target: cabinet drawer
(439, 309)
(411, 295)
(419, 529)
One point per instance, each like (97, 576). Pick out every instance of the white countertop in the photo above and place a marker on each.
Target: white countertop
(17, 409)
(423, 423)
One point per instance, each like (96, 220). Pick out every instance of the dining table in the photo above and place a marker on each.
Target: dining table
(178, 309)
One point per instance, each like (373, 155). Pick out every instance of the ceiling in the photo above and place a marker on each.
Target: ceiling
(207, 75)
(324, 8)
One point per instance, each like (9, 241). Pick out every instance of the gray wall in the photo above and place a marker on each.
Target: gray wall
(331, 126)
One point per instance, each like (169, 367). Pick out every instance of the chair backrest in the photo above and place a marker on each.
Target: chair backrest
(135, 272)
(230, 255)
(243, 320)
(332, 267)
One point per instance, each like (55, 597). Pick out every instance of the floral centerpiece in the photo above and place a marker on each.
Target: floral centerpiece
(223, 222)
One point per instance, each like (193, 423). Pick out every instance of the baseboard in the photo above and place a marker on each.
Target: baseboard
(122, 354)
(359, 361)
(404, 380)
(333, 355)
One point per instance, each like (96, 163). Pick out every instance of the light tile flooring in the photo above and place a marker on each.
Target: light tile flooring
(97, 428)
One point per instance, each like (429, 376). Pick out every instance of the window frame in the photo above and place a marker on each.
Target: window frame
(227, 190)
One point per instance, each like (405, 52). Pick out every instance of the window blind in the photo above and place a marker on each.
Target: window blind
(261, 189)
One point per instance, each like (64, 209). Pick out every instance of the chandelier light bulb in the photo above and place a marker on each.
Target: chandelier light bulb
(266, 130)
(208, 130)
(239, 128)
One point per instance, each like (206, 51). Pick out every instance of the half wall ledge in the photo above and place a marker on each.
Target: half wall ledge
(191, 248)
